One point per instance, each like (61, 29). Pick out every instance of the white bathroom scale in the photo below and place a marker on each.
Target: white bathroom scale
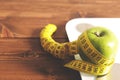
(76, 26)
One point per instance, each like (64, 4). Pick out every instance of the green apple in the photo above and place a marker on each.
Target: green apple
(104, 40)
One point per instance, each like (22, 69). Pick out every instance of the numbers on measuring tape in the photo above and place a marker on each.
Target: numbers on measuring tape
(90, 51)
(86, 67)
(102, 65)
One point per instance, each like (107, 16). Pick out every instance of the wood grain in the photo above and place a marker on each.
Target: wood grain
(21, 56)
(35, 69)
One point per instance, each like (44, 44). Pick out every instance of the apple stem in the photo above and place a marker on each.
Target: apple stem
(98, 34)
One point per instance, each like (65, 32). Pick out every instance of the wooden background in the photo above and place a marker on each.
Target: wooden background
(21, 56)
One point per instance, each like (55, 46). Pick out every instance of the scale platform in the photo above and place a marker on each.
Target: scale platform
(76, 26)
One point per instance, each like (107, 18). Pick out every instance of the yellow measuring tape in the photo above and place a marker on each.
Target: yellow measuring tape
(100, 65)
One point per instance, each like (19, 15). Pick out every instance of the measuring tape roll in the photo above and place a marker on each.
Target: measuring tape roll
(97, 65)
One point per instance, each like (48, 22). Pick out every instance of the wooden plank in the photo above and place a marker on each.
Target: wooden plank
(35, 69)
(101, 1)
(14, 45)
(24, 59)
(28, 19)
(31, 26)
(46, 9)
(42, 1)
